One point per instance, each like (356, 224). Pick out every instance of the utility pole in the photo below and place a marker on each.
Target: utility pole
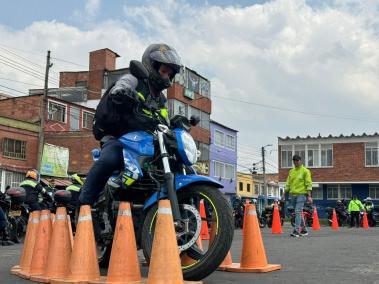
(265, 192)
(42, 115)
(264, 175)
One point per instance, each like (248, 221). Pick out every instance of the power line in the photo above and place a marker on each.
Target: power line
(297, 111)
(25, 71)
(20, 82)
(70, 62)
(21, 65)
(13, 89)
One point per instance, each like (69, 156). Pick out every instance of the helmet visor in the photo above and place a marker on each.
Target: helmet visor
(167, 56)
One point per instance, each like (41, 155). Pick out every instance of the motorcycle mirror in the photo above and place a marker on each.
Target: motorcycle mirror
(194, 120)
(138, 70)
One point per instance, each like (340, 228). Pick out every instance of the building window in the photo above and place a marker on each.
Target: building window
(326, 155)
(286, 156)
(219, 169)
(300, 150)
(317, 193)
(229, 171)
(193, 112)
(219, 138)
(205, 120)
(229, 142)
(15, 149)
(248, 187)
(256, 189)
(88, 119)
(240, 184)
(57, 111)
(313, 155)
(177, 107)
(223, 170)
(204, 151)
(339, 191)
(374, 191)
(371, 154)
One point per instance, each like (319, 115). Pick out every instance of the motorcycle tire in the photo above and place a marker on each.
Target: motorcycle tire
(262, 222)
(221, 244)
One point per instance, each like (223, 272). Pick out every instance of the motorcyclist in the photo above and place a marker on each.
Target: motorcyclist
(74, 188)
(131, 104)
(33, 188)
(369, 208)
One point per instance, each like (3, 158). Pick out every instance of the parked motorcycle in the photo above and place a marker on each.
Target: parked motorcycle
(307, 215)
(343, 216)
(16, 212)
(266, 217)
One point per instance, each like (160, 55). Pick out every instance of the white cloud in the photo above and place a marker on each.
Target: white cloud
(286, 53)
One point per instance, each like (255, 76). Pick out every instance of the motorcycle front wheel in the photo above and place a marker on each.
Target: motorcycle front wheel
(198, 261)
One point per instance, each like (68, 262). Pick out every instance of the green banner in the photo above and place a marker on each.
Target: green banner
(54, 161)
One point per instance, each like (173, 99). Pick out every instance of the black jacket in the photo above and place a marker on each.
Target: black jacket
(117, 115)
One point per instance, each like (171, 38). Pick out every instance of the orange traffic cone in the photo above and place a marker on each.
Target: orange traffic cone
(316, 222)
(58, 258)
(83, 262)
(276, 225)
(70, 231)
(244, 217)
(26, 258)
(165, 264)
(253, 258)
(204, 225)
(365, 221)
(15, 269)
(123, 269)
(334, 220)
(41, 247)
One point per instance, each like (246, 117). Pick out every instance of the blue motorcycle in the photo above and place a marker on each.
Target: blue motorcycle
(163, 161)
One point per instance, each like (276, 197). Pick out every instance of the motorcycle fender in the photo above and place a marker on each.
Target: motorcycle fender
(182, 181)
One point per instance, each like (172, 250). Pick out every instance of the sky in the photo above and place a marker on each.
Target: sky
(277, 68)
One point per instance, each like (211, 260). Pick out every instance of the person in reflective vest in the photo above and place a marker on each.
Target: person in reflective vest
(33, 188)
(74, 188)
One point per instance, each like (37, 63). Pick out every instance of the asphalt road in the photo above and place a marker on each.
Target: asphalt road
(345, 256)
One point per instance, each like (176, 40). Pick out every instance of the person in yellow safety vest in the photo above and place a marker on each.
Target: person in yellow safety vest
(33, 188)
(74, 188)
(355, 207)
(299, 186)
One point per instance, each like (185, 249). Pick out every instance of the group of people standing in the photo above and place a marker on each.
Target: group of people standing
(34, 192)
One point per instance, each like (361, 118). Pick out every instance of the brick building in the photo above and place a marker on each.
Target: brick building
(67, 124)
(341, 166)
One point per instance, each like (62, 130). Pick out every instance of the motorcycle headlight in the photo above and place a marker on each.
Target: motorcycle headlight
(186, 147)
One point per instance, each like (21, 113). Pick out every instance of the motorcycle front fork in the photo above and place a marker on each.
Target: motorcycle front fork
(169, 178)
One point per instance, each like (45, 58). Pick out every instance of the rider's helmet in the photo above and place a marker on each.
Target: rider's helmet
(76, 179)
(339, 201)
(154, 56)
(33, 174)
(368, 199)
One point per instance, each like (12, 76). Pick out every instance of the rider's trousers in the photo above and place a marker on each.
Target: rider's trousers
(110, 160)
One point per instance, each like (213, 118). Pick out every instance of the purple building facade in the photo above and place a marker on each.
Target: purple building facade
(223, 157)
